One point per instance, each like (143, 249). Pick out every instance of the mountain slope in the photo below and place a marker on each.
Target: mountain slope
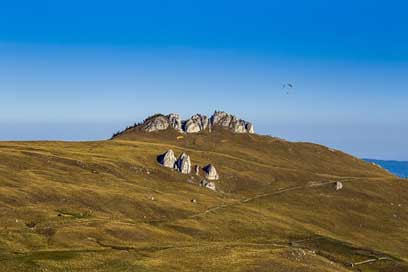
(109, 206)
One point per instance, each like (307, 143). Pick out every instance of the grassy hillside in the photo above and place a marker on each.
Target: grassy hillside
(109, 206)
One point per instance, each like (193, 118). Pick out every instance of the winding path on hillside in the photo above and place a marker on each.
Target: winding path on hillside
(311, 184)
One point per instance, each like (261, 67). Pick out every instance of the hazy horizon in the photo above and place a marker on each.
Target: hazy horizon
(70, 73)
(352, 143)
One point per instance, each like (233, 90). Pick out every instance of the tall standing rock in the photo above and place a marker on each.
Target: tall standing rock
(175, 121)
(184, 164)
(196, 123)
(211, 172)
(168, 159)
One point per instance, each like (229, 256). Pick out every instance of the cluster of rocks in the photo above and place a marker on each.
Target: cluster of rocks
(197, 123)
(184, 166)
(181, 164)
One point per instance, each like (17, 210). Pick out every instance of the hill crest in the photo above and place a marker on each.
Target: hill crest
(195, 124)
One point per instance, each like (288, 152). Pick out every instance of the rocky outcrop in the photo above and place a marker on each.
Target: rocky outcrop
(175, 121)
(208, 184)
(197, 170)
(226, 120)
(196, 123)
(211, 172)
(167, 159)
(338, 185)
(156, 123)
(184, 164)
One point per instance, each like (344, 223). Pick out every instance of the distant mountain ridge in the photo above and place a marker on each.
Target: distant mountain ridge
(399, 168)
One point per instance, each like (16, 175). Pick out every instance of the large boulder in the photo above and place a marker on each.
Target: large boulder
(211, 172)
(184, 164)
(168, 159)
(196, 123)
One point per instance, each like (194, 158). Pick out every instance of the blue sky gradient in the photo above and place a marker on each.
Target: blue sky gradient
(79, 70)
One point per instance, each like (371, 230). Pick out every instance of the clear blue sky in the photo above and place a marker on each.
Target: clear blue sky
(79, 70)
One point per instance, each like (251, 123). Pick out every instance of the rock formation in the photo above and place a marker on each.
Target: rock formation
(211, 172)
(338, 185)
(184, 164)
(167, 159)
(197, 170)
(155, 123)
(175, 121)
(196, 123)
(208, 184)
(226, 120)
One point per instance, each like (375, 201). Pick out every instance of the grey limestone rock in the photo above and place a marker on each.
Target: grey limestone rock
(168, 159)
(183, 164)
(197, 123)
(211, 172)
(231, 122)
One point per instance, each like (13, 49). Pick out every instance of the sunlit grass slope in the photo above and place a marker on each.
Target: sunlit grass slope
(109, 206)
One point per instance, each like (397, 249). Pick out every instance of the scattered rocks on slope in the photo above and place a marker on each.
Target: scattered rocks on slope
(338, 185)
(184, 164)
(208, 184)
(211, 172)
(168, 159)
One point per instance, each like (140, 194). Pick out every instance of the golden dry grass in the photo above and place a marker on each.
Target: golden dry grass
(88, 206)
